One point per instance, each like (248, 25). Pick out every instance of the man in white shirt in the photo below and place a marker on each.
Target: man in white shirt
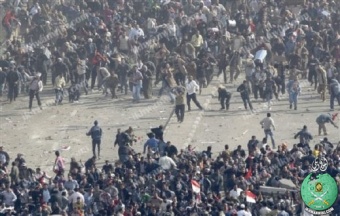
(35, 9)
(235, 192)
(243, 211)
(74, 197)
(166, 162)
(264, 210)
(9, 196)
(192, 87)
(136, 32)
(267, 125)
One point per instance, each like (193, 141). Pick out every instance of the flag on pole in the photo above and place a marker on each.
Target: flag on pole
(251, 198)
(196, 187)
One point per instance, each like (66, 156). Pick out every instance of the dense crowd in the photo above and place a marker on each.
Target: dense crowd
(124, 46)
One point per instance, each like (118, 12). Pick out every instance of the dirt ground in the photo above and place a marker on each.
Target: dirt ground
(39, 133)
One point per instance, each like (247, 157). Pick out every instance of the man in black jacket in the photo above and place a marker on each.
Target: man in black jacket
(224, 97)
(2, 80)
(158, 132)
(96, 135)
(12, 81)
(243, 89)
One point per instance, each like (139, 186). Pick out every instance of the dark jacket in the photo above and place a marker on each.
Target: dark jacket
(223, 93)
(2, 77)
(324, 118)
(304, 135)
(12, 77)
(95, 133)
(243, 89)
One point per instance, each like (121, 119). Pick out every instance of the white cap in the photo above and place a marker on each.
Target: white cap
(242, 206)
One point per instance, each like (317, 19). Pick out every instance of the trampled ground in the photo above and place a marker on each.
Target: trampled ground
(39, 133)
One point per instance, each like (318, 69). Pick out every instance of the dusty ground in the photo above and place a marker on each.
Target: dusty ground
(39, 133)
(236, 126)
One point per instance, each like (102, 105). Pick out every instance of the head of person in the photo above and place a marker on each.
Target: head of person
(269, 115)
(95, 123)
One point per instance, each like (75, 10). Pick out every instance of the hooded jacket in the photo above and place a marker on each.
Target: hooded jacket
(334, 87)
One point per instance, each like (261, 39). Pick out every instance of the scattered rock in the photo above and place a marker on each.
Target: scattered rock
(48, 138)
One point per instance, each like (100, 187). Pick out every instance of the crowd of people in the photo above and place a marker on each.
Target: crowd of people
(123, 46)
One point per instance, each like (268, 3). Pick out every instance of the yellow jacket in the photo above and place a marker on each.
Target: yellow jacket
(59, 83)
(197, 41)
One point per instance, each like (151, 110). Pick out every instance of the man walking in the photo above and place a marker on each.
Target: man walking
(322, 119)
(192, 87)
(35, 87)
(12, 82)
(180, 106)
(136, 79)
(294, 90)
(2, 81)
(267, 125)
(244, 91)
(334, 91)
(59, 89)
(96, 135)
(224, 97)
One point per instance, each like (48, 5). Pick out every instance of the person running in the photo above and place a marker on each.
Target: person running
(192, 87)
(96, 135)
(304, 135)
(267, 125)
(334, 91)
(244, 91)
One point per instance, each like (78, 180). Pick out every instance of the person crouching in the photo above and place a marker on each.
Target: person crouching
(73, 93)
(224, 97)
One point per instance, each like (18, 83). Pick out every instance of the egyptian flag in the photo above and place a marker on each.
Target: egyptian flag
(248, 174)
(196, 187)
(251, 198)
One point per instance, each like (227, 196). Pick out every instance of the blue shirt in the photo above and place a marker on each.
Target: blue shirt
(96, 133)
(151, 143)
(324, 118)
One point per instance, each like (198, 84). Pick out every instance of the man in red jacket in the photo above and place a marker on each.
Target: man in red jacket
(7, 21)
